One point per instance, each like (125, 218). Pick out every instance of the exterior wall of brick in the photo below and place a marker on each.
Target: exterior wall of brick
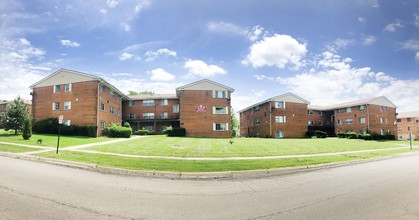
(321, 120)
(134, 114)
(408, 125)
(261, 122)
(197, 117)
(84, 104)
(374, 118)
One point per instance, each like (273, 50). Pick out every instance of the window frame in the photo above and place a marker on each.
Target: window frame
(280, 119)
(67, 105)
(67, 87)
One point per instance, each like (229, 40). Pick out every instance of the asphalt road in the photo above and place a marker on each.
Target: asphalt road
(386, 189)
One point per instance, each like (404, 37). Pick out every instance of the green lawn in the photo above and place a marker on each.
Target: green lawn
(15, 149)
(208, 166)
(48, 140)
(242, 147)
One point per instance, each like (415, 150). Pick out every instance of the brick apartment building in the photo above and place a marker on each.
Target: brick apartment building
(278, 117)
(374, 115)
(408, 123)
(153, 112)
(202, 108)
(205, 109)
(265, 119)
(82, 99)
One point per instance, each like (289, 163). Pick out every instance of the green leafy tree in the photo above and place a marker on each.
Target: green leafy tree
(15, 115)
(27, 128)
(146, 92)
(234, 123)
(132, 93)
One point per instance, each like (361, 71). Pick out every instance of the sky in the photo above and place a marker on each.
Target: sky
(325, 51)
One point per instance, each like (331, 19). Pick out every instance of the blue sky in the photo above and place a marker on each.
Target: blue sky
(326, 51)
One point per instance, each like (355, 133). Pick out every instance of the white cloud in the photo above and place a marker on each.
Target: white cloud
(125, 56)
(394, 26)
(340, 43)
(21, 65)
(201, 69)
(160, 74)
(410, 45)
(334, 80)
(125, 27)
(362, 20)
(263, 77)
(369, 40)
(69, 43)
(152, 55)
(416, 21)
(103, 11)
(417, 56)
(112, 3)
(221, 27)
(139, 84)
(277, 50)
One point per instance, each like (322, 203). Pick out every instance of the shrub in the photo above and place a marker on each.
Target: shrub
(144, 132)
(366, 137)
(50, 126)
(320, 134)
(127, 125)
(117, 131)
(351, 135)
(27, 129)
(175, 132)
(341, 135)
(310, 134)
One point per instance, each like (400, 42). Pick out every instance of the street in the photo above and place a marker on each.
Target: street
(385, 189)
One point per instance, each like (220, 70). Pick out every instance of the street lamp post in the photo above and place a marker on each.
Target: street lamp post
(60, 122)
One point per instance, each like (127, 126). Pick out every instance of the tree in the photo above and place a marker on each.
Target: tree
(15, 115)
(27, 128)
(132, 92)
(146, 92)
(234, 123)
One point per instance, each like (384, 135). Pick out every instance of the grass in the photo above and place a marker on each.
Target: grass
(15, 149)
(48, 140)
(209, 166)
(242, 147)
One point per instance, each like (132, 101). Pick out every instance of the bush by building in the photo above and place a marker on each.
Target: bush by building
(117, 131)
(50, 126)
(175, 132)
(144, 132)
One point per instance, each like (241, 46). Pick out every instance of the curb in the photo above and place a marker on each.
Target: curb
(247, 174)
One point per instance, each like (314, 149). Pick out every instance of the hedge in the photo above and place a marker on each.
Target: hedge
(117, 131)
(50, 126)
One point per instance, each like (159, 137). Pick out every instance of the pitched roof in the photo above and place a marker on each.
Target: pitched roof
(204, 84)
(287, 97)
(73, 77)
(382, 100)
(153, 96)
(413, 114)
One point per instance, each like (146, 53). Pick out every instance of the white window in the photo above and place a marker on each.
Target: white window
(220, 126)
(219, 94)
(163, 102)
(220, 110)
(56, 106)
(310, 112)
(383, 120)
(67, 122)
(340, 111)
(67, 105)
(148, 102)
(131, 115)
(67, 87)
(280, 119)
(102, 125)
(362, 131)
(164, 115)
(362, 108)
(280, 104)
(148, 115)
(131, 103)
(349, 109)
(279, 134)
(102, 106)
(320, 123)
(340, 122)
(176, 108)
(57, 88)
(310, 123)
(112, 110)
(257, 121)
(399, 129)
(362, 120)
(383, 108)
(348, 121)
(320, 113)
